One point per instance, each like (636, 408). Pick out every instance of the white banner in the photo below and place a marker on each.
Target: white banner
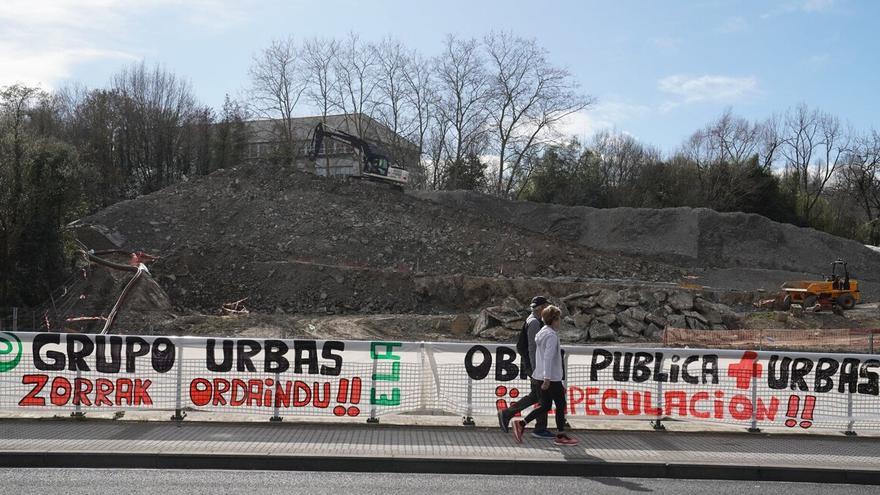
(368, 379)
(751, 388)
(278, 377)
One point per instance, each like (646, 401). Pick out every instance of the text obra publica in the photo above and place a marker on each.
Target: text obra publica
(805, 374)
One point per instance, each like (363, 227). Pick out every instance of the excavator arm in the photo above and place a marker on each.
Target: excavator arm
(321, 132)
(374, 164)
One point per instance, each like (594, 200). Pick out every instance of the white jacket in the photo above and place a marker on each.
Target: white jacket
(548, 362)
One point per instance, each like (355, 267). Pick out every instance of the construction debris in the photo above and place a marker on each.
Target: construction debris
(235, 307)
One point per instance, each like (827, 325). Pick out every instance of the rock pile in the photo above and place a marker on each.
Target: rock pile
(304, 244)
(606, 315)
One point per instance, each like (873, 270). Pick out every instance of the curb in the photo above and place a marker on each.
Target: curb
(114, 460)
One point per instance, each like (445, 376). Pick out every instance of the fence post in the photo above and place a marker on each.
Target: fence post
(468, 420)
(373, 418)
(77, 407)
(276, 410)
(754, 428)
(14, 319)
(849, 415)
(871, 342)
(658, 423)
(179, 413)
(423, 400)
(565, 382)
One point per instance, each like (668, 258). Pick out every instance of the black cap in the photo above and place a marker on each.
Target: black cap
(538, 300)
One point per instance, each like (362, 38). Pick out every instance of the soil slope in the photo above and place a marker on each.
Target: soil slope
(737, 246)
(291, 241)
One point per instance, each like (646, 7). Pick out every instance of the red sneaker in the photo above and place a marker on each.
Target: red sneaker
(519, 427)
(565, 440)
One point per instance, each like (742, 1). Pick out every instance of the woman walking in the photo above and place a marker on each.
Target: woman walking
(548, 371)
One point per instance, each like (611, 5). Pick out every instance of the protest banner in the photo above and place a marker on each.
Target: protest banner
(362, 379)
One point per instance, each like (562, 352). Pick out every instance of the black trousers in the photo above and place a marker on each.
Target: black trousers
(529, 400)
(555, 395)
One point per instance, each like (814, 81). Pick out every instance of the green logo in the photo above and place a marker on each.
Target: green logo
(10, 351)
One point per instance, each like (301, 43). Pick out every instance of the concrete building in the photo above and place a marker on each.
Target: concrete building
(336, 158)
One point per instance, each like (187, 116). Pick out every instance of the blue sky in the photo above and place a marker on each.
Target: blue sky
(660, 70)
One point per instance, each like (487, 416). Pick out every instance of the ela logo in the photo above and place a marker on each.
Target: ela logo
(10, 351)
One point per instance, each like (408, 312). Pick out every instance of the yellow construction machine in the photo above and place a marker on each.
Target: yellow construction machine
(837, 290)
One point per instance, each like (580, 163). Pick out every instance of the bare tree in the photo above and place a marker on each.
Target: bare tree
(319, 55)
(814, 143)
(728, 138)
(619, 156)
(95, 125)
(436, 148)
(355, 69)
(861, 180)
(528, 97)
(406, 101)
(421, 94)
(277, 84)
(392, 108)
(771, 140)
(722, 153)
(463, 89)
(155, 110)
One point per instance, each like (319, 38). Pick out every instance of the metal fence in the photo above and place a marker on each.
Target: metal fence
(79, 374)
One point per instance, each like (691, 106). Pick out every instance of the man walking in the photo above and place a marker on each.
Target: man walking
(526, 348)
(549, 372)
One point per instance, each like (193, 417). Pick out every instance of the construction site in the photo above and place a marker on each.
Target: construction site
(267, 250)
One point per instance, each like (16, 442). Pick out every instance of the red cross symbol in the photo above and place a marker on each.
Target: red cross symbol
(745, 369)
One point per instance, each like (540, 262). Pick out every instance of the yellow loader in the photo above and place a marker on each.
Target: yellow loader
(837, 290)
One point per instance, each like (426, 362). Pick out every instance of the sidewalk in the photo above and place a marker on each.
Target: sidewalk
(298, 446)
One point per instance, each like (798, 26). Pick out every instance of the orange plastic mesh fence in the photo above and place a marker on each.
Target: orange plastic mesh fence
(863, 340)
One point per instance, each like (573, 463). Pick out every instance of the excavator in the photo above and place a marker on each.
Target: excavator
(838, 290)
(375, 163)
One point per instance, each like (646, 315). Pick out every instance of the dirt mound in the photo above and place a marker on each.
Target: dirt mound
(692, 237)
(291, 241)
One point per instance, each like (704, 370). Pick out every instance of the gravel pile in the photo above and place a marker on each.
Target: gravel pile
(293, 242)
(691, 237)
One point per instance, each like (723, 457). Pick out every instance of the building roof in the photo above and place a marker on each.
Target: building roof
(265, 130)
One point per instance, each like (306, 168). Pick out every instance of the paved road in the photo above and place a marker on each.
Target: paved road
(195, 482)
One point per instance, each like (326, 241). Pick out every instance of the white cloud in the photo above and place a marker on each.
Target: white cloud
(41, 42)
(667, 43)
(817, 5)
(808, 6)
(668, 105)
(603, 115)
(734, 25)
(694, 89)
(818, 61)
(49, 64)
